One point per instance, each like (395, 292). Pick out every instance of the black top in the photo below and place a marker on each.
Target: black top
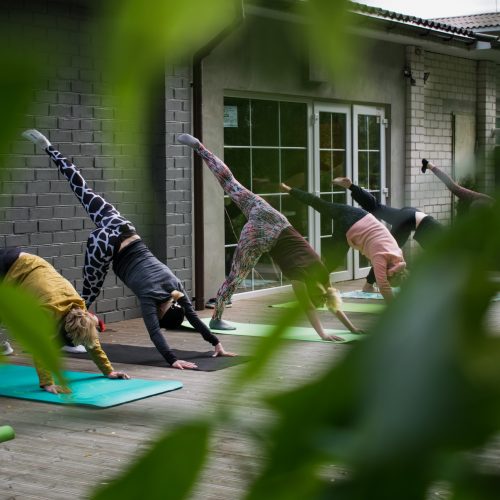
(152, 282)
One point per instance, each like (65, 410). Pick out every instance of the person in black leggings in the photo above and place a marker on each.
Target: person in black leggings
(116, 242)
(403, 221)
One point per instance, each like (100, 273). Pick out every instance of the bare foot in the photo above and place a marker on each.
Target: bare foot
(369, 288)
(344, 182)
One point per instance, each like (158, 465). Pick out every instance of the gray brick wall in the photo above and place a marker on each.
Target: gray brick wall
(74, 108)
(450, 88)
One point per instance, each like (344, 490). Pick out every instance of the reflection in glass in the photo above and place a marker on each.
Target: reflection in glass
(373, 132)
(325, 131)
(234, 220)
(362, 132)
(265, 170)
(363, 168)
(265, 123)
(374, 183)
(238, 113)
(294, 168)
(296, 213)
(293, 123)
(339, 130)
(266, 273)
(238, 161)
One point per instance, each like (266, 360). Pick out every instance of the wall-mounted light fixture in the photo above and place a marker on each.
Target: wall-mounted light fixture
(426, 76)
(407, 74)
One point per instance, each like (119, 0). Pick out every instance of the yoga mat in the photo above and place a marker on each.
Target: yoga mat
(359, 294)
(6, 433)
(292, 333)
(89, 389)
(149, 356)
(346, 307)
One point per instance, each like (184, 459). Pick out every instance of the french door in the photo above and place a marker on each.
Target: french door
(349, 141)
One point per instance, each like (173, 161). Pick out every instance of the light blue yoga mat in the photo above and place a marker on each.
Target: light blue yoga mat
(359, 294)
(346, 307)
(89, 389)
(292, 332)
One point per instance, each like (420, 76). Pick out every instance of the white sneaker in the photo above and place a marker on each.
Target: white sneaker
(6, 348)
(36, 138)
(77, 349)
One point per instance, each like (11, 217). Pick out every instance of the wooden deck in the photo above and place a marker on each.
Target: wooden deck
(64, 452)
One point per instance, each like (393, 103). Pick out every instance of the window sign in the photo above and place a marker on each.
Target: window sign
(230, 116)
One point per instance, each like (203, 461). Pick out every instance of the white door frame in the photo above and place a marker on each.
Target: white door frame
(315, 185)
(361, 272)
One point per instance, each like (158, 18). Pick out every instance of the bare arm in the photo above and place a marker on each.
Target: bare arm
(301, 292)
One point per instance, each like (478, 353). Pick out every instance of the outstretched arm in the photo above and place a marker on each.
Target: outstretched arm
(313, 201)
(300, 290)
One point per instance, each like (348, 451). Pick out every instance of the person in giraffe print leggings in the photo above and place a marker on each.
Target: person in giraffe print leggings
(268, 230)
(116, 242)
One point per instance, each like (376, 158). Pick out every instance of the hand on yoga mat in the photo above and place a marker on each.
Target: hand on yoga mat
(122, 375)
(219, 351)
(181, 365)
(327, 336)
(56, 389)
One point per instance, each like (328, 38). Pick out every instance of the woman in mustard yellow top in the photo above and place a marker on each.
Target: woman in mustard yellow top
(57, 295)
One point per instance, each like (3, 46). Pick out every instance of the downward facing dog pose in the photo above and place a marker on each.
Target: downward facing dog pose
(356, 228)
(56, 294)
(267, 230)
(116, 241)
(402, 220)
(471, 198)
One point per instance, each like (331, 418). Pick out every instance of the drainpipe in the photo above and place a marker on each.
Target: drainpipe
(199, 223)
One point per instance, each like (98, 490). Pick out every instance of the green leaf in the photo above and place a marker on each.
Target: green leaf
(31, 325)
(168, 470)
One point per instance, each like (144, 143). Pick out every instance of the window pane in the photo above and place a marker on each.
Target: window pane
(236, 122)
(362, 132)
(363, 169)
(373, 132)
(238, 160)
(266, 273)
(296, 213)
(326, 222)
(265, 170)
(264, 123)
(374, 183)
(339, 130)
(234, 220)
(294, 168)
(293, 122)
(325, 130)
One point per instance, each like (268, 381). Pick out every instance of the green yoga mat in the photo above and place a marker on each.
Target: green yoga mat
(89, 389)
(346, 307)
(292, 333)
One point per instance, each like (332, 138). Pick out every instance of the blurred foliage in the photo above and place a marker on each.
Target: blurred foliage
(403, 409)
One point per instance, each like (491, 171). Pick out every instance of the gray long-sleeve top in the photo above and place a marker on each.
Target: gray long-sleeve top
(152, 282)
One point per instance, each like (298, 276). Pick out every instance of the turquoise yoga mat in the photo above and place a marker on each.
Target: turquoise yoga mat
(346, 307)
(359, 294)
(292, 333)
(89, 389)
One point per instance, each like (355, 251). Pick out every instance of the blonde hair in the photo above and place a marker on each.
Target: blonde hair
(81, 327)
(333, 299)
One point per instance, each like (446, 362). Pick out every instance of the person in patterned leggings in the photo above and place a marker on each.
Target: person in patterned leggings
(116, 242)
(268, 230)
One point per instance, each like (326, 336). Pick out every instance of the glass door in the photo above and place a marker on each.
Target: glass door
(332, 158)
(368, 162)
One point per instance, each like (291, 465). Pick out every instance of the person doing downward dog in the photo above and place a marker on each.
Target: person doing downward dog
(116, 242)
(268, 230)
(470, 197)
(56, 294)
(356, 228)
(403, 221)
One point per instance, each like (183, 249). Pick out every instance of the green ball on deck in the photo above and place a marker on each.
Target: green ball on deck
(6, 433)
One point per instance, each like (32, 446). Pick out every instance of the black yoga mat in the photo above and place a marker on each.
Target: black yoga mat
(149, 356)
